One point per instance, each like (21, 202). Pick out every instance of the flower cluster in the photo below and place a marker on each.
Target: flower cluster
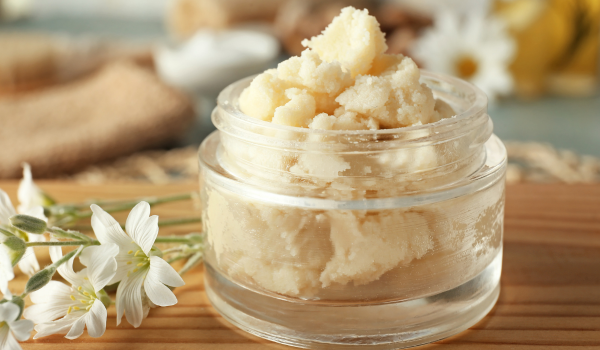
(125, 258)
(31, 199)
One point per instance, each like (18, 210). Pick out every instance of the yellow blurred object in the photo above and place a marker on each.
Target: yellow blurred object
(558, 45)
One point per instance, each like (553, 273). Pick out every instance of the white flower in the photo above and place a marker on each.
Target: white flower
(144, 276)
(11, 328)
(475, 47)
(29, 194)
(30, 200)
(78, 305)
(6, 271)
(6, 208)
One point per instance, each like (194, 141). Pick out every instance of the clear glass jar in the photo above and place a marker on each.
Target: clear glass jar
(322, 239)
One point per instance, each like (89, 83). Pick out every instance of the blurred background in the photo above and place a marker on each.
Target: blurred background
(106, 90)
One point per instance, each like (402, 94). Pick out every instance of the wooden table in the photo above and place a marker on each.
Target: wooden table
(550, 296)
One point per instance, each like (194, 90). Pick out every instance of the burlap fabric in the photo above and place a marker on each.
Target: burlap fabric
(121, 109)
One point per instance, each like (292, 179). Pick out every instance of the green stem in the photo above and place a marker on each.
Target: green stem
(172, 239)
(81, 227)
(65, 243)
(179, 221)
(165, 222)
(172, 250)
(177, 258)
(193, 261)
(68, 233)
(101, 202)
(65, 258)
(126, 205)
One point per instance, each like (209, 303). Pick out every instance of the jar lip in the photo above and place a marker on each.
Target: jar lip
(478, 106)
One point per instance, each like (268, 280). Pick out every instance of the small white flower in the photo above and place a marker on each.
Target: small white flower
(29, 203)
(144, 276)
(59, 308)
(29, 194)
(11, 328)
(6, 271)
(476, 48)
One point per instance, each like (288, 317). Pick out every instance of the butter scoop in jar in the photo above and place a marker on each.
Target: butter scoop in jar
(347, 177)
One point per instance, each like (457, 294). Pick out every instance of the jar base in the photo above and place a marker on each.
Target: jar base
(324, 325)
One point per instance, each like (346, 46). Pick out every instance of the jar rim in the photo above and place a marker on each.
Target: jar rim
(228, 98)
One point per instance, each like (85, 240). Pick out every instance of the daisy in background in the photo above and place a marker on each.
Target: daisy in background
(475, 47)
(11, 328)
(59, 308)
(143, 275)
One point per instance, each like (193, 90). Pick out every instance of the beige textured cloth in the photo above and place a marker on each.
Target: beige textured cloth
(120, 109)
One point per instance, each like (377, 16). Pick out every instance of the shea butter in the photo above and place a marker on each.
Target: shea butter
(344, 81)
(347, 177)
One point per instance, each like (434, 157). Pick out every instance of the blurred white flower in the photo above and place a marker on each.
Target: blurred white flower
(29, 194)
(6, 271)
(475, 47)
(144, 276)
(11, 328)
(59, 308)
(31, 199)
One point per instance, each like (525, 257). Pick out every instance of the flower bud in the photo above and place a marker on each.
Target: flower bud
(28, 223)
(16, 248)
(58, 232)
(40, 279)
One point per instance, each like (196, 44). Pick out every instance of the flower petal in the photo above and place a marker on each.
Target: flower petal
(28, 263)
(21, 329)
(164, 273)
(61, 326)
(137, 217)
(28, 193)
(122, 267)
(95, 319)
(160, 294)
(66, 269)
(6, 208)
(129, 299)
(50, 302)
(77, 329)
(101, 263)
(142, 228)
(8, 312)
(6, 271)
(50, 292)
(161, 273)
(9, 342)
(106, 228)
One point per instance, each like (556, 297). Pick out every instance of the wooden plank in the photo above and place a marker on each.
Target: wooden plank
(550, 289)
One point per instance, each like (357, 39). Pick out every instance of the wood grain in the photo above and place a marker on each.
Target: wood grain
(550, 297)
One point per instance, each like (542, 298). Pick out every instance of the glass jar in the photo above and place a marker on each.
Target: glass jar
(390, 238)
